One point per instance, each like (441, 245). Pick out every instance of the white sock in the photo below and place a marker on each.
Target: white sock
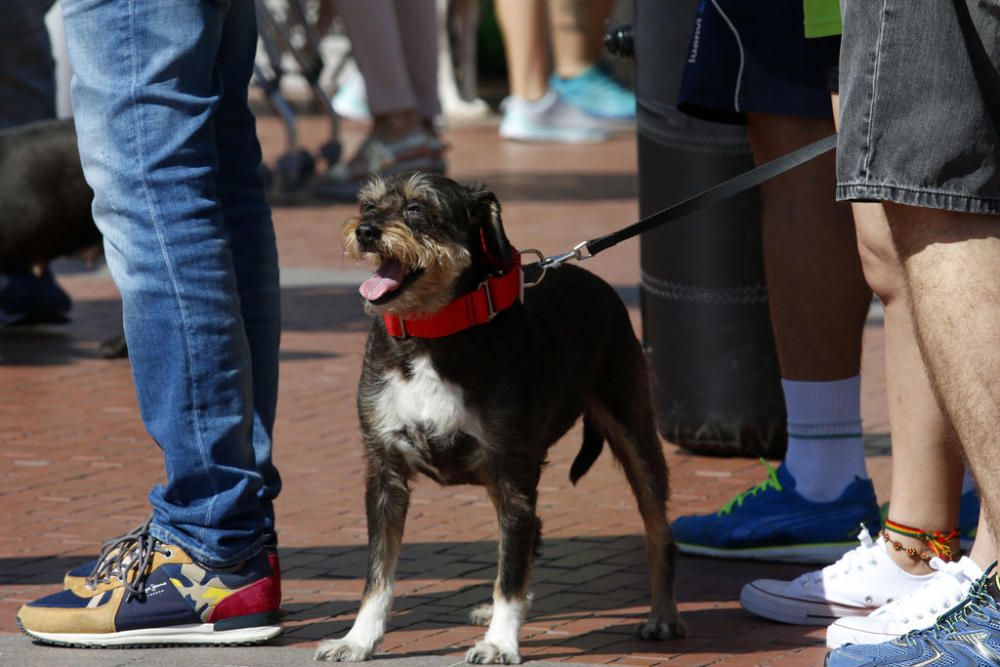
(825, 448)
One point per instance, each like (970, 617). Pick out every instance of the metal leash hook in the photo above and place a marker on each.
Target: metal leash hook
(579, 252)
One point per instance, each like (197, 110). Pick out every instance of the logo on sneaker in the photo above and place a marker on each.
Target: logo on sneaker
(154, 589)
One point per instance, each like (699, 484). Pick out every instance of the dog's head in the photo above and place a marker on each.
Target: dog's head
(430, 238)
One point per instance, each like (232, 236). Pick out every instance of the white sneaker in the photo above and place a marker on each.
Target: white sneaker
(863, 580)
(550, 119)
(916, 611)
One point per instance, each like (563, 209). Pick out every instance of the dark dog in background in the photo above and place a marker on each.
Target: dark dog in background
(482, 406)
(44, 200)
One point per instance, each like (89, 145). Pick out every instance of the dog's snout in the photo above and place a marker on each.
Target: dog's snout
(367, 233)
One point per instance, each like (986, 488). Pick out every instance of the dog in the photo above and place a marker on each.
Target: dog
(481, 404)
(45, 203)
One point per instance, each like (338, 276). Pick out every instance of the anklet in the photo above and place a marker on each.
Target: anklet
(939, 542)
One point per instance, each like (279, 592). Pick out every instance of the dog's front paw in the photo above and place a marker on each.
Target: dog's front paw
(657, 628)
(482, 615)
(341, 650)
(487, 653)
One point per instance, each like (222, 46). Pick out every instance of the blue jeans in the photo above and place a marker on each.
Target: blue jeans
(169, 146)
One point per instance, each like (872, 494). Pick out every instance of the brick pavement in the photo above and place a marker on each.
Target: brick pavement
(75, 463)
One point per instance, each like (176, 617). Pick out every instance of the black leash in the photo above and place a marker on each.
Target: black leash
(716, 193)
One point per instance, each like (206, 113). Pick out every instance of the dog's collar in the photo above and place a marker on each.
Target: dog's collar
(495, 294)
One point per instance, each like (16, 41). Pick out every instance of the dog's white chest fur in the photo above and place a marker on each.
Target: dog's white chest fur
(425, 403)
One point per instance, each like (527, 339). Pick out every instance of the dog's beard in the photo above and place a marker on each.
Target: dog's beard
(412, 276)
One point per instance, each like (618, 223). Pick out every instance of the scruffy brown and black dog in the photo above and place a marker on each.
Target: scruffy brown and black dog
(465, 383)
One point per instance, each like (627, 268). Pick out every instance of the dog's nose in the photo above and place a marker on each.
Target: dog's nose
(366, 233)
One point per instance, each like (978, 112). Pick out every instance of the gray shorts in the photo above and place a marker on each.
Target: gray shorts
(920, 104)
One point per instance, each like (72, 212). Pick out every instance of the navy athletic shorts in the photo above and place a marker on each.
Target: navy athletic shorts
(753, 56)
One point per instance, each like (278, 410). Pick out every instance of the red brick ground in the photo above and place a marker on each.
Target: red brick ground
(75, 463)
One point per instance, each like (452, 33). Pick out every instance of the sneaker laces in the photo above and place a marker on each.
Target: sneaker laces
(127, 558)
(972, 606)
(933, 597)
(854, 560)
(770, 483)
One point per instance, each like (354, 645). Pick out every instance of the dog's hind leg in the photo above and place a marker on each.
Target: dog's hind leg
(624, 413)
(387, 498)
(514, 494)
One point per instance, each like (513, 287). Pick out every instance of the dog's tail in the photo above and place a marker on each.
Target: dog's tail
(593, 443)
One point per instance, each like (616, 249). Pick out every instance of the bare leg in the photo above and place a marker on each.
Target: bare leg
(576, 27)
(525, 39)
(818, 296)
(984, 551)
(926, 464)
(951, 262)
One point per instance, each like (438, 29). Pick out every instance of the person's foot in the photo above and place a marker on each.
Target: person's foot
(968, 634)
(596, 93)
(549, 119)
(916, 611)
(772, 522)
(417, 151)
(145, 592)
(29, 299)
(80, 573)
(351, 98)
(860, 582)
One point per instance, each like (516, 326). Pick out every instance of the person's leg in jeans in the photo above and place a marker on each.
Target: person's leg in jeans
(28, 94)
(159, 97)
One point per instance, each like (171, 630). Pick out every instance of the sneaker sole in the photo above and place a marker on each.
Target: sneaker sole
(808, 554)
(837, 637)
(794, 611)
(204, 634)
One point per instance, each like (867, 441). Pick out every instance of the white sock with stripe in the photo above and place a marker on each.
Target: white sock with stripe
(825, 447)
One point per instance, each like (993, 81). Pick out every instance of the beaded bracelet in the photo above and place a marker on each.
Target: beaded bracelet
(939, 542)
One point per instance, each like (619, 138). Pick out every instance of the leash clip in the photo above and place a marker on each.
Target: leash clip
(579, 252)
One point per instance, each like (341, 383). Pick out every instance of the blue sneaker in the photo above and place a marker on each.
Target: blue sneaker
(968, 519)
(28, 299)
(596, 93)
(772, 522)
(969, 634)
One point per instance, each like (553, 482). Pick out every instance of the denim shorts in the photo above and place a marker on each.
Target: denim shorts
(920, 104)
(753, 56)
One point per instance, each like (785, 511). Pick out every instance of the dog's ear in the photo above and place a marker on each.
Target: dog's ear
(485, 214)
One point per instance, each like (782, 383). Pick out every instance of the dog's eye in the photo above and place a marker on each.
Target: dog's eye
(414, 209)
(367, 207)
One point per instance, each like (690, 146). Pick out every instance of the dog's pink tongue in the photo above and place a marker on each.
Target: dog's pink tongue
(387, 278)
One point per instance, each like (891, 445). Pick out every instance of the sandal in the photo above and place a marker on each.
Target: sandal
(415, 152)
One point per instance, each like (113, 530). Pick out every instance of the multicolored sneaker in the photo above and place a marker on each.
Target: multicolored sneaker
(968, 634)
(946, 588)
(79, 574)
(772, 522)
(863, 580)
(148, 593)
(596, 93)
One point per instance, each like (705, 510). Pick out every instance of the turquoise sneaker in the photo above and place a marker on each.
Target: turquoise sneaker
(968, 634)
(772, 522)
(596, 93)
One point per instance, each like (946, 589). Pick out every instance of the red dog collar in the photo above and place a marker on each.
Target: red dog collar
(494, 295)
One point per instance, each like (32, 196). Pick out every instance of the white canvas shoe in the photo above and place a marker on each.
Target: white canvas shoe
(916, 611)
(863, 580)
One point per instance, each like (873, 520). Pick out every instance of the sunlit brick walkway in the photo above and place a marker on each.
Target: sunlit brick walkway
(75, 463)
